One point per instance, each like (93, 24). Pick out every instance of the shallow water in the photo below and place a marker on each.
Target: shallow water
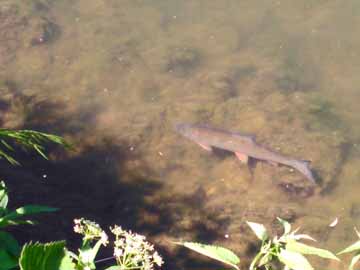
(115, 76)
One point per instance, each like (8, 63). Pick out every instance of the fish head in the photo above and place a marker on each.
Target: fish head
(191, 132)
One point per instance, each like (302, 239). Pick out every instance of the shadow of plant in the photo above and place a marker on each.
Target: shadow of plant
(96, 182)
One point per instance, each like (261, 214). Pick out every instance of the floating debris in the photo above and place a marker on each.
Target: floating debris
(334, 223)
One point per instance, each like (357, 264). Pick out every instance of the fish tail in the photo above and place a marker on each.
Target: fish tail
(303, 167)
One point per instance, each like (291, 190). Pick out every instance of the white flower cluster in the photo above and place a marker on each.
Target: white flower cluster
(90, 230)
(131, 250)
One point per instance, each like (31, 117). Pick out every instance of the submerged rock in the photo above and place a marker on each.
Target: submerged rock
(299, 190)
(44, 31)
(182, 61)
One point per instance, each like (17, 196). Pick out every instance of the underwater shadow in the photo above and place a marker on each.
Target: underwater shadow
(96, 182)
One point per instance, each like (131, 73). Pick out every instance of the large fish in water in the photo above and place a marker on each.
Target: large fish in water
(243, 146)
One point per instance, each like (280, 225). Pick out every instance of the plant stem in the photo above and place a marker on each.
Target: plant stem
(105, 259)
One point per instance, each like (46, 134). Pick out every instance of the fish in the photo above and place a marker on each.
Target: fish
(243, 146)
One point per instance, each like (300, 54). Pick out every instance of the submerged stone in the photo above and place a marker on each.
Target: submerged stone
(44, 31)
(299, 190)
(182, 61)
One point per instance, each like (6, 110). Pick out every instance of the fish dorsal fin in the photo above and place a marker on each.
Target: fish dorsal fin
(245, 137)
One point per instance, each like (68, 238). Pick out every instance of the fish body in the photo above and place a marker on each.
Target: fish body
(243, 146)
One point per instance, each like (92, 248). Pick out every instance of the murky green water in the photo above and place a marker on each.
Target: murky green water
(114, 77)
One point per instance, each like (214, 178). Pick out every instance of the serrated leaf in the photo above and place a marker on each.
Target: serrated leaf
(354, 260)
(259, 230)
(285, 224)
(351, 248)
(49, 256)
(221, 254)
(305, 249)
(294, 260)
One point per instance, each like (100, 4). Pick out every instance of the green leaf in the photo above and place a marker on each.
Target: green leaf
(6, 222)
(4, 199)
(265, 259)
(351, 248)
(259, 230)
(305, 249)
(9, 243)
(29, 210)
(7, 260)
(28, 139)
(286, 225)
(354, 260)
(87, 253)
(294, 260)
(215, 252)
(49, 256)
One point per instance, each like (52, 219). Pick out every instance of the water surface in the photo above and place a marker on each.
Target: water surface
(115, 76)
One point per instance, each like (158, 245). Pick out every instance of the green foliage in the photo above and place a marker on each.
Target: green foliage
(215, 252)
(285, 249)
(294, 246)
(49, 256)
(4, 198)
(259, 230)
(28, 139)
(87, 254)
(91, 232)
(9, 251)
(353, 248)
(16, 217)
(294, 260)
(9, 247)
